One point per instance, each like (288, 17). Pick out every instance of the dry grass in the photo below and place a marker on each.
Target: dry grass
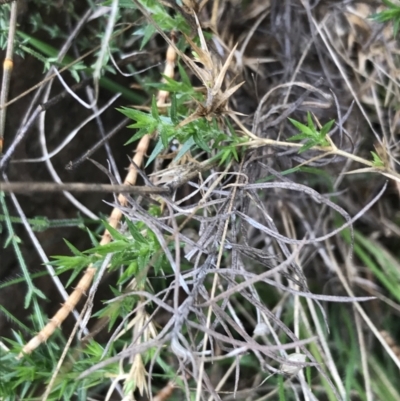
(280, 270)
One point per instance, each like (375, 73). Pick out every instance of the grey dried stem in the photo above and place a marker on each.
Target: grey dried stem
(267, 226)
(7, 70)
(31, 187)
(114, 220)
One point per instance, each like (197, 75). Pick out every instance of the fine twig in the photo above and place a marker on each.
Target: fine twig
(7, 69)
(113, 220)
(31, 187)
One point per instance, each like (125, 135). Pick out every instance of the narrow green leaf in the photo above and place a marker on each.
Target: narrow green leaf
(74, 275)
(39, 293)
(185, 148)
(130, 271)
(28, 298)
(135, 232)
(298, 137)
(164, 135)
(140, 134)
(377, 161)
(72, 248)
(148, 33)
(308, 145)
(115, 246)
(281, 389)
(128, 94)
(396, 25)
(46, 49)
(154, 109)
(121, 4)
(143, 261)
(235, 153)
(132, 113)
(13, 319)
(92, 237)
(303, 128)
(65, 263)
(156, 151)
(326, 128)
(173, 111)
(310, 122)
(226, 156)
(200, 142)
(184, 76)
(114, 233)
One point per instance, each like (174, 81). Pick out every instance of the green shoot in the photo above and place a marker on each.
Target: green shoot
(313, 136)
(391, 14)
(377, 161)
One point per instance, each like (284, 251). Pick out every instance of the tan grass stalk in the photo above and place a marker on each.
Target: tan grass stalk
(391, 342)
(199, 379)
(165, 392)
(114, 219)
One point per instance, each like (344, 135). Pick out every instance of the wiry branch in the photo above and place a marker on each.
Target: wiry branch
(30, 187)
(113, 220)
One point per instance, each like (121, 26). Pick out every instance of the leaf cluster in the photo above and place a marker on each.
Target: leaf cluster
(197, 135)
(392, 13)
(133, 249)
(376, 160)
(25, 380)
(310, 133)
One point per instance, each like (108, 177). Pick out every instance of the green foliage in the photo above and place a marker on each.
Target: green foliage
(377, 161)
(163, 19)
(42, 223)
(22, 380)
(33, 292)
(379, 262)
(198, 135)
(54, 31)
(391, 14)
(182, 89)
(137, 257)
(313, 136)
(135, 251)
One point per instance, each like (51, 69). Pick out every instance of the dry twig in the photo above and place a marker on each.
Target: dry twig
(114, 219)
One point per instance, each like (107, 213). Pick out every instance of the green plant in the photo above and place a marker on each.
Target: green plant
(208, 284)
(309, 132)
(392, 14)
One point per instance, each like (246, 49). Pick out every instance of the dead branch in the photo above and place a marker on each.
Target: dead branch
(113, 220)
(29, 187)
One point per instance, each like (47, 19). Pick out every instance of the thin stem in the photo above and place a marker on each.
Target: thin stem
(329, 150)
(32, 290)
(7, 67)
